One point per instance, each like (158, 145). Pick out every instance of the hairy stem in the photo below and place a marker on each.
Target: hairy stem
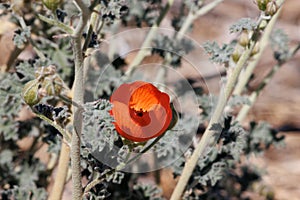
(210, 136)
(78, 94)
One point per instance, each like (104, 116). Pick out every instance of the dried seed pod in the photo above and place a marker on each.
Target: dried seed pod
(52, 85)
(42, 72)
(271, 8)
(30, 92)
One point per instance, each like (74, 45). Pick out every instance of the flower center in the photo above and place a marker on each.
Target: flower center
(140, 117)
(139, 113)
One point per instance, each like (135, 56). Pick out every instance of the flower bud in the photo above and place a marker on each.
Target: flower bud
(244, 39)
(52, 4)
(30, 92)
(236, 55)
(262, 4)
(271, 8)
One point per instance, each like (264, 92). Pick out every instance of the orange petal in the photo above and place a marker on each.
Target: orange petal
(144, 97)
(124, 92)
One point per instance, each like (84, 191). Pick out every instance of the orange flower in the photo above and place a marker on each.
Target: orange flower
(141, 111)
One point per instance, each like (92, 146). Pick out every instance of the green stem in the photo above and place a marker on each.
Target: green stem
(56, 23)
(66, 135)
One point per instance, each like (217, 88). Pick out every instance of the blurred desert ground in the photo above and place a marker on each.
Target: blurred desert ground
(277, 104)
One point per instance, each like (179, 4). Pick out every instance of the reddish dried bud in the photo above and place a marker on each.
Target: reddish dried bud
(52, 86)
(271, 8)
(42, 72)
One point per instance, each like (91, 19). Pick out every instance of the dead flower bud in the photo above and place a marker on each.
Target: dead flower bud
(262, 4)
(244, 39)
(271, 8)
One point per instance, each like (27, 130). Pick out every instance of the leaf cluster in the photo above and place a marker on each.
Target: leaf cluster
(140, 12)
(21, 37)
(219, 54)
(22, 174)
(103, 75)
(113, 10)
(243, 24)
(280, 45)
(222, 167)
(170, 48)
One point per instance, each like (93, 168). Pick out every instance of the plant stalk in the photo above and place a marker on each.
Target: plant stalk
(210, 136)
(78, 94)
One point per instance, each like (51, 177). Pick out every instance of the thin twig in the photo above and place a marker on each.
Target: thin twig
(66, 135)
(253, 97)
(145, 46)
(184, 28)
(92, 27)
(194, 15)
(56, 23)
